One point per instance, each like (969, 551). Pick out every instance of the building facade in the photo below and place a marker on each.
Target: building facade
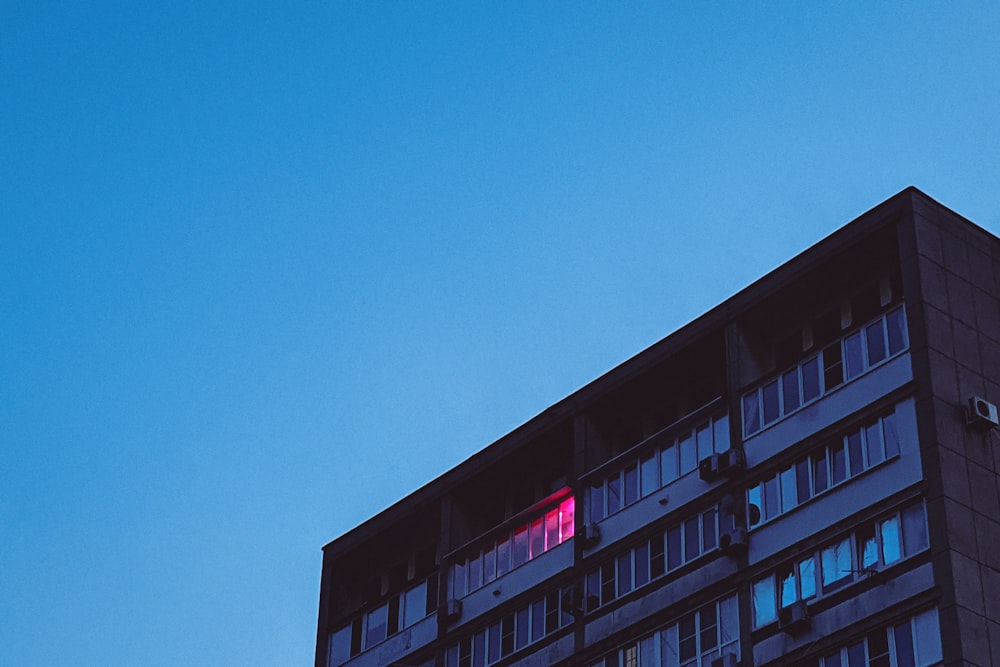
(805, 475)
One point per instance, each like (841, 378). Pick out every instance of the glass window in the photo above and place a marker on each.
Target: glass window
(807, 575)
(650, 474)
(853, 359)
(904, 645)
(867, 547)
(674, 547)
(927, 632)
(832, 660)
(878, 649)
(668, 464)
(873, 443)
(786, 586)
(551, 612)
(687, 630)
(838, 461)
(656, 564)
(891, 543)
(537, 620)
(720, 429)
(802, 480)
(764, 607)
(689, 456)
(567, 512)
(552, 528)
(458, 580)
(836, 564)
(465, 652)
(772, 405)
(489, 564)
(790, 389)
(642, 564)
(709, 627)
(788, 489)
(875, 340)
(378, 622)
(756, 502)
(855, 452)
(593, 585)
(493, 633)
(669, 647)
(631, 485)
(608, 590)
(507, 634)
(415, 604)
(704, 438)
(856, 655)
(708, 529)
(614, 493)
(820, 475)
(914, 529)
(521, 627)
(520, 546)
(647, 651)
(810, 379)
(625, 573)
(896, 326)
(751, 413)
(692, 539)
(833, 371)
(729, 620)
(772, 503)
(340, 646)
(891, 435)
(475, 572)
(596, 501)
(503, 556)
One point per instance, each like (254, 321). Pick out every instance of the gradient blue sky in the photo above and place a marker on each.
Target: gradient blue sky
(269, 267)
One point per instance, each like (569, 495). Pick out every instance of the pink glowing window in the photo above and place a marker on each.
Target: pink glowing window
(566, 518)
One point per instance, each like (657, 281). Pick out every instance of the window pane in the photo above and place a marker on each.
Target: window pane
(720, 428)
(503, 556)
(810, 379)
(786, 586)
(521, 628)
(595, 503)
(614, 493)
(764, 607)
(853, 359)
(807, 573)
(855, 452)
(479, 649)
(507, 634)
(833, 371)
(631, 485)
(904, 645)
(689, 457)
(914, 529)
(751, 413)
(873, 444)
(789, 491)
(838, 461)
(729, 621)
(878, 649)
(692, 539)
(673, 547)
(704, 438)
(537, 620)
(656, 564)
(875, 340)
(832, 660)
(836, 564)
(708, 530)
(625, 573)
(490, 564)
(772, 407)
(896, 325)
(856, 655)
(415, 604)
(458, 579)
(378, 620)
(552, 528)
(641, 564)
(772, 504)
(756, 502)
(475, 572)
(802, 480)
(650, 473)
(820, 475)
(790, 389)
(520, 546)
(567, 514)
(891, 544)
(340, 646)
(493, 646)
(891, 435)
(668, 464)
(670, 647)
(867, 547)
(928, 635)
(709, 627)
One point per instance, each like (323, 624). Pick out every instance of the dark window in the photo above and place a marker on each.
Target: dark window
(832, 660)
(891, 435)
(507, 634)
(641, 564)
(896, 325)
(914, 529)
(875, 340)
(631, 485)
(465, 652)
(479, 649)
(650, 474)
(674, 547)
(751, 413)
(856, 655)
(855, 452)
(614, 493)
(692, 542)
(521, 628)
(873, 443)
(597, 501)
(494, 644)
(833, 371)
(802, 480)
(708, 530)
(625, 573)
(810, 379)
(688, 632)
(820, 475)
(853, 358)
(790, 389)
(656, 568)
(838, 461)
(537, 620)
(772, 504)
(608, 582)
(904, 646)
(552, 612)
(393, 625)
(772, 406)
(593, 590)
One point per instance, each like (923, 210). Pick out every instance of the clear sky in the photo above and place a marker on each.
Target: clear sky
(265, 268)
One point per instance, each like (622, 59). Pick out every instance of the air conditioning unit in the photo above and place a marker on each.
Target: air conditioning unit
(726, 660)
(591, 534)
(451, 610)
(794, 619)
(734, 542)
(726, 464)
(980, 413)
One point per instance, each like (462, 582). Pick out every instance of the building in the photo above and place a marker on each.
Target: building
(807, 474)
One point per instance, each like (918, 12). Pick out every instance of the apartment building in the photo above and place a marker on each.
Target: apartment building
(807, 474)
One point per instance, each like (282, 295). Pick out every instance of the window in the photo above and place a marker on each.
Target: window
(916, 642)
(694, 639)
(513, 547)
(870, 548)
(832, 464)
(645, 474)
(842, 361)
(652, 558)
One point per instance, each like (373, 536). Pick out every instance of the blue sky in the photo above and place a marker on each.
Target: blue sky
(266, 269)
